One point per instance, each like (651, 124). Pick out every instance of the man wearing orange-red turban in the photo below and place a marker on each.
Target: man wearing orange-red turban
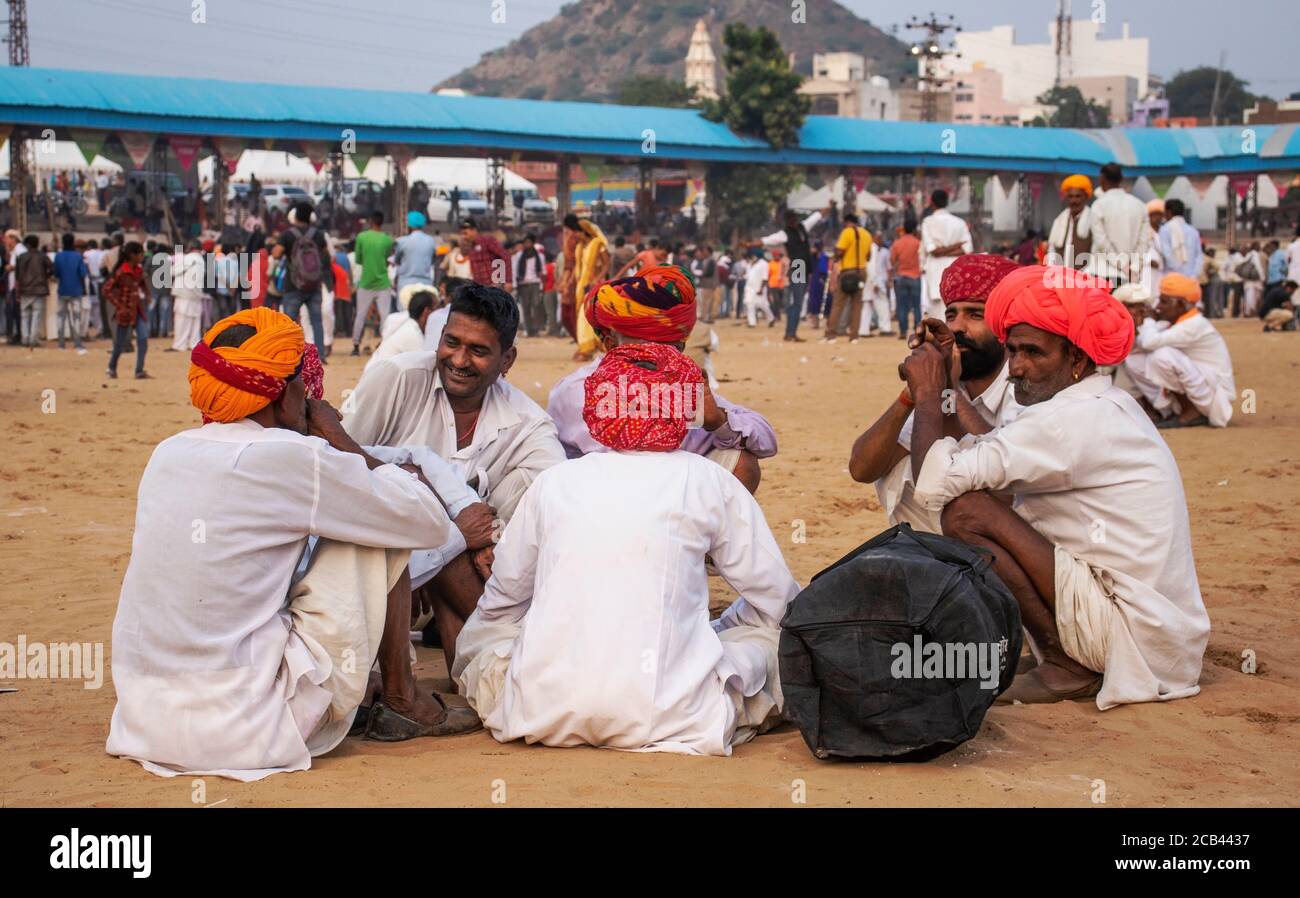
(224, 661)
(657, 305)
(1113, 612)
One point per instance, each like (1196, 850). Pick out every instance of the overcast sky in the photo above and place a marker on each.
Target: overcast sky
(413, 44)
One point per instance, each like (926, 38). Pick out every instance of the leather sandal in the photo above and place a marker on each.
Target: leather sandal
(387, 725)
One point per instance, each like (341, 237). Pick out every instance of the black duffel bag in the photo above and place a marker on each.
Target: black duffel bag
(877, 652)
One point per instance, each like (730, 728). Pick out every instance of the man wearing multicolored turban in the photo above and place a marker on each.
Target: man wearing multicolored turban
(600, 577)
(1070, 240)
(1180, 361)
(268, 573)
(981, 391)
(657, 305)
(1095, 545)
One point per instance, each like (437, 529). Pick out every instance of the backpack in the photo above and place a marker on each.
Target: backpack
(306, 267)
(1247, 271)
(858, 647)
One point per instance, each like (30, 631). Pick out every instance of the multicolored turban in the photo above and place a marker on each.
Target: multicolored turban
(1062, 301)
(642, 397)
(1181, 287)
(1077, 182)
(233, 382)
(657, 304)
(972, 277)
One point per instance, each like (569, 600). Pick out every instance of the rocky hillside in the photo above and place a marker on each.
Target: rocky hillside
(591, 46)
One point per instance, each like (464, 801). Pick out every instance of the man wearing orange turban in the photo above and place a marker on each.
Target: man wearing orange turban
(1070, 240)
(1095, 546)
(228, 658)
(1180, 362)
(600, 578)
(657, 305)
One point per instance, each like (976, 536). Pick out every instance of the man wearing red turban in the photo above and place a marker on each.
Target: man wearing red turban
(1182, 369)
(594, 628)
(228, 658)
(657, 305)
(981, 391)
(1096, 546)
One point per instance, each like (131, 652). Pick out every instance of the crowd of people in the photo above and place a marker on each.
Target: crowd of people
(441, 498)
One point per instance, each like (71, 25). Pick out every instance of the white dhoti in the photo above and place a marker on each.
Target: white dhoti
(1085, 610)
(484, 649)
(1168, 370)
(187, 330)
(754, 304)
(337, 611)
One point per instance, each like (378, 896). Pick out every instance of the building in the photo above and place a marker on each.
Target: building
(1119, 93)
(840, 86)
(977, 99)
(701, 64)
(1029, 70)
(911, 104)
(1272, 112)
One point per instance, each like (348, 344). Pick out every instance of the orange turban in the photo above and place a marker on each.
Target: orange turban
(233, 382)
(1062, 301)
(1077, 182)
(1180, 286)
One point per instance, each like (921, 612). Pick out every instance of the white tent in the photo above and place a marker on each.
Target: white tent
(56, 156)
(279, 167)
(806, 199)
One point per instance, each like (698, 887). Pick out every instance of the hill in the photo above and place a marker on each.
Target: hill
(588, 49)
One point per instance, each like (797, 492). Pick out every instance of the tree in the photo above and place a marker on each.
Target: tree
(762, 100)
(1191, 93)
(654, 90)
(1072, 110)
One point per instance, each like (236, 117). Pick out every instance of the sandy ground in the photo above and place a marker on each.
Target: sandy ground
(67, 488)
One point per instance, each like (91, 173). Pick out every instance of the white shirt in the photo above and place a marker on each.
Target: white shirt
(604, 565)
(1120, 227)
(1293, 261)
(401, 401)
(756, 279)
(1201, 342)
(399, 333)
(1091, 473)
(996, 405)
(434, 326)
(210, 676)
(188, 273)
(779, 238)
(939, 229)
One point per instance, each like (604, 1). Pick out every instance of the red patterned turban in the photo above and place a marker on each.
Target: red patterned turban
(642, 396)
(972, 277)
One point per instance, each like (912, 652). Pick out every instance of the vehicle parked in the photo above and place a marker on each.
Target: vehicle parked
(471, 205)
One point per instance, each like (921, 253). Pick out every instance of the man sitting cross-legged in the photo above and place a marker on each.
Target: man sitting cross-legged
(1184, 370)
(1096, 547)
(657, 305)
(223, 662)
(981, 396)
(455, 402)
(594, 627)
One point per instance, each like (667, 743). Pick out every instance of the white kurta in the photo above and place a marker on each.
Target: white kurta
(601, 575)
(1121, 236)
(399, 333)
(940, 228)
(755, 297)
(997, 405)
(401, 402)
(210, 676)
(1188, 357)
(1091, 473)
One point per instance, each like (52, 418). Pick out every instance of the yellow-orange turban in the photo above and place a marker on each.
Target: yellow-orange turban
(1181, 286)
(233, 382)
(1077, 182)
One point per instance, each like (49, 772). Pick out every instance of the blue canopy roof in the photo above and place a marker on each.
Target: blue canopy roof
(63, 98)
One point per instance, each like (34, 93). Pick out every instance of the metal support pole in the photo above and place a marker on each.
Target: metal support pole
(563, 188)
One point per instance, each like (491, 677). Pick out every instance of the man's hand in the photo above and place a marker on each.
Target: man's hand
(476, 524)
(926, 372)
(324, 421)
(482, 560)
(714, 417)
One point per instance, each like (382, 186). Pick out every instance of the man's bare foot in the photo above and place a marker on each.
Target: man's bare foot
(421, 707)
(1064, 679)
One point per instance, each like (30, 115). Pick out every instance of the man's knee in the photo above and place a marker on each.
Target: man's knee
(1167, 361)
(748, 471)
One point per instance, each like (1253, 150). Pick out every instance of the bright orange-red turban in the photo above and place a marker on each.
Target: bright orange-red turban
(1180, 286)
(1062, 301)
(233, 382)
(972, 277)
(642, 396)
(1077, 182)
(656, 304)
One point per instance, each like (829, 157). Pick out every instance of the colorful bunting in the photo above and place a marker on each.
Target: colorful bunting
(90, 143)
(186, 149)
(138, 146)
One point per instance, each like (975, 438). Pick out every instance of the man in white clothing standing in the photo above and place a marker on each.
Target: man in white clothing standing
(1121, 234)
(944, 237)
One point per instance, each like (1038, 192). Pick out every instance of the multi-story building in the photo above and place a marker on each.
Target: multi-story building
(1118, 93)
(841, 86)
(977, 99)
